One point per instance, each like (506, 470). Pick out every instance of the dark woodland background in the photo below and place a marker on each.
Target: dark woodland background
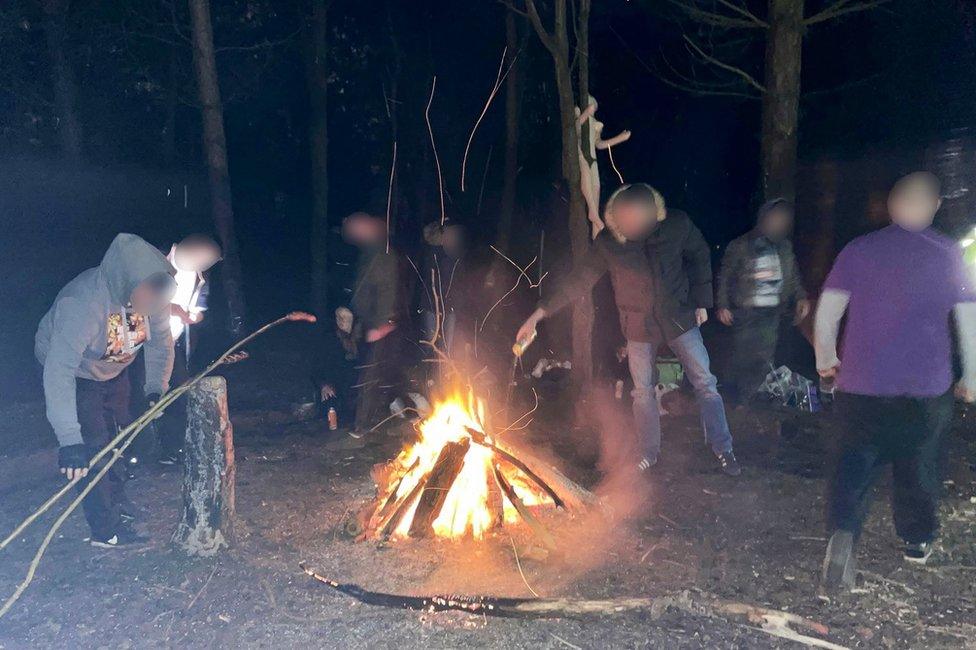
(885, 90)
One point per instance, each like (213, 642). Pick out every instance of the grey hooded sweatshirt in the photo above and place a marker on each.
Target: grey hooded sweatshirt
(88, 333)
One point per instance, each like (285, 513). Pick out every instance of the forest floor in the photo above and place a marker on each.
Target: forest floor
(756, 539)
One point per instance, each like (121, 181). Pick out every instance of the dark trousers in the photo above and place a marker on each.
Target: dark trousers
(103, 407)
(381, 379)
(171, 426)
(755, 332)
(904, 432)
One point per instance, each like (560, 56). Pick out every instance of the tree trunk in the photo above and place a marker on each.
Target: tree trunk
(513, 89)
(317, 74)
(583, 312)
(208, 472)
(215, 150)
(781, 102)
(65, 90)
(172, 103)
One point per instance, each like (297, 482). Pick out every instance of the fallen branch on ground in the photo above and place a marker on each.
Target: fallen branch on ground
(773, 622)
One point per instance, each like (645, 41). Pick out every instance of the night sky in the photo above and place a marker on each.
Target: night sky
(893, 80)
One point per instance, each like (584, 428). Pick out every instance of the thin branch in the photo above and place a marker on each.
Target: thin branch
(749, 79)
(433, 145)
(749, 21)
(548, 40)
(840, 8)
(700, 91)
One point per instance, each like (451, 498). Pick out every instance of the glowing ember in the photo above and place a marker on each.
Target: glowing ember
(474, 502)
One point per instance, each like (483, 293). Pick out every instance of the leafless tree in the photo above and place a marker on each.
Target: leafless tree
(317, 75)
(63, 78)
(556, 40)
(729, 25)
(215, 150)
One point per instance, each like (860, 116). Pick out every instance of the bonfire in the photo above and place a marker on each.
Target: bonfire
(458, 480)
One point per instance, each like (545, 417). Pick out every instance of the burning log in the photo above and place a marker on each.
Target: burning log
(439, 483)
(456, 481)
(544, 535)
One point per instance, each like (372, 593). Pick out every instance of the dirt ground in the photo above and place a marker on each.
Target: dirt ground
(755, 539)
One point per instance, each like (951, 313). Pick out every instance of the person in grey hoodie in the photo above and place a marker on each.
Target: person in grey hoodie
(98, 323)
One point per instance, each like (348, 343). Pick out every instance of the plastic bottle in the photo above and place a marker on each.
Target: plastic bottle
(521, 346)
(333, 419)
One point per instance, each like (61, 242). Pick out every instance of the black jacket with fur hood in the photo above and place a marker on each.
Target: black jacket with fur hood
(657, 283)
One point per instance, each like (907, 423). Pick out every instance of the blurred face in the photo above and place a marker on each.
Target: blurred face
(777, 223)
(196, 258)
(152, 295)
(343, 320)
(635, 220)
(452, 239)
(913, 205)
(363, 231)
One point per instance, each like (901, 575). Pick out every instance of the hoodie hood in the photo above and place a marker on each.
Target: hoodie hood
(660, 213)
(128, 262)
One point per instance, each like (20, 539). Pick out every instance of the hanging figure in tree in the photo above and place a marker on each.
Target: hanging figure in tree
(589, 131)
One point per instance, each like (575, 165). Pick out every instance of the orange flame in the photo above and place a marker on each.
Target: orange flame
(467, 508)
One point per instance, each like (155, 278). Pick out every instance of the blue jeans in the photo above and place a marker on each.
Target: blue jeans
(691, 352)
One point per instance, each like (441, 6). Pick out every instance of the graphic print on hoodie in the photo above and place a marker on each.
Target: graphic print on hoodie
(89, 334)
(126, 333)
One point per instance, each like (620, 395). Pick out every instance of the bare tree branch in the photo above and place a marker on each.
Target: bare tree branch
(748, 78)
(842, 7)
(696, 88)
(549, 40)
(747, 19)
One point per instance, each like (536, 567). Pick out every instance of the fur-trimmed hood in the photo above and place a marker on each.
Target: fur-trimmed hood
(661, 212)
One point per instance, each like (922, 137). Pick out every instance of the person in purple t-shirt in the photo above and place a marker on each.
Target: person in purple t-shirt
(899, 286)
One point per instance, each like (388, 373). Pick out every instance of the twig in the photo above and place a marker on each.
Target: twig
(614, 165)
(518, 563)
(200, 593)
(433, 145)
(389, 196)
(564, 642)
(494, 90)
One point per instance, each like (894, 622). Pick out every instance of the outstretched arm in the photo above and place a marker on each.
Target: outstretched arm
(623, 136)
(830, 310)
(965, 313)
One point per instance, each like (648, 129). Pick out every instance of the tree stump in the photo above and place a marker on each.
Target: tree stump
(208, 471)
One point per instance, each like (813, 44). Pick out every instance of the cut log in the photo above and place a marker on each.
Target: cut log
(446, 469)
(207, 523)
(543, 534)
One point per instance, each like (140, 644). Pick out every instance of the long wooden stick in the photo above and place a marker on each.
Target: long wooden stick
(773, 622)
(128, 434)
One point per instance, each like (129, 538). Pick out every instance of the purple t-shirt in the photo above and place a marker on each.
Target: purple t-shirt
(903, 286)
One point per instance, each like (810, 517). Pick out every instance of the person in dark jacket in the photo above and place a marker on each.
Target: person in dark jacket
(334, 366)
(380, 310)
(660, 268)
(758, 281)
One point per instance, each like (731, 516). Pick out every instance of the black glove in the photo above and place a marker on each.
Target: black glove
(152, 398)
(73, 458)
